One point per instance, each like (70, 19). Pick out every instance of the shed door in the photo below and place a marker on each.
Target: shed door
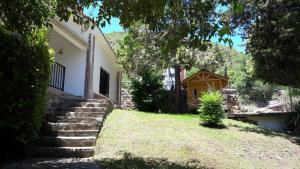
(104, 82)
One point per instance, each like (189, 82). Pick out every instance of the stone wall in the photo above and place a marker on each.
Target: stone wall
(56, 99)
(126, 99)
(169, 105)
(231, 100)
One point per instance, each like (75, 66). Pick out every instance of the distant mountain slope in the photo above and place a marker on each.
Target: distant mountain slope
(114, 37)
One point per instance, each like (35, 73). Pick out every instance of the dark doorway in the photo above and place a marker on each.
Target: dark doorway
(104, 82)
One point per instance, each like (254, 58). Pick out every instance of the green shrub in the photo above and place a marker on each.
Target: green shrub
(147, 91)
(211, 111)
(24, 73)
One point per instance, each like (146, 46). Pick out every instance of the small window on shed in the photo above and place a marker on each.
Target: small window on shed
(195, 93)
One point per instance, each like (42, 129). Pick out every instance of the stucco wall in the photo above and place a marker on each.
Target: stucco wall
(73, 59)
(103, 57)
(270, 122)
(101, 60)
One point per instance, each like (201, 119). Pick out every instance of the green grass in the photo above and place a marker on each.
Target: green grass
(132, 139)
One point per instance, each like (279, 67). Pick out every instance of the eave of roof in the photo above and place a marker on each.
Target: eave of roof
(194, 75)
(95, 24)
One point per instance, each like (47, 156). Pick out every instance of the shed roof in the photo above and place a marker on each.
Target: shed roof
(184, 82)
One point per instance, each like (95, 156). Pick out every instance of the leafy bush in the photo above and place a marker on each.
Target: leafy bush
(147, 91)
(211, 110)
(24, 73)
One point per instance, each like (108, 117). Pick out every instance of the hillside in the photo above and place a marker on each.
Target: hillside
(114, 37)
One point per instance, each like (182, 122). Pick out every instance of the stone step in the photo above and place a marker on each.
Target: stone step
(93, 104)
(71, 98)
(77, 114)
(71, 133)
(62, 152)
(89, 109)
(63, 102)
(67, 119)
(97, 100)
(62, 141)
(67, 103)
(71, 126)
(63, 108)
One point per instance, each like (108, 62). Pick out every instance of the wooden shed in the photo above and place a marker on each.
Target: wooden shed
(201, 82)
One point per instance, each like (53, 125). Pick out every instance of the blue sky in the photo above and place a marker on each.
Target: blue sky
(115, 26)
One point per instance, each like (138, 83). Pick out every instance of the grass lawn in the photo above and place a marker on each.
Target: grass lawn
(132, 139)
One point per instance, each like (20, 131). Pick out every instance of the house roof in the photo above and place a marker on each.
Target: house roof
(184, 82)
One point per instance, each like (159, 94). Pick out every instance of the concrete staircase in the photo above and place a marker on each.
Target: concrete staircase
(71, 128)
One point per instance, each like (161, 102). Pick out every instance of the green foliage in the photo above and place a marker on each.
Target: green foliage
(147, 91)
(192, 71)
(24, 74)
(211, 110)
(275, 40)
(240, 70)
(23, 16)
(137, 52)
(173, 27)
(115, 38)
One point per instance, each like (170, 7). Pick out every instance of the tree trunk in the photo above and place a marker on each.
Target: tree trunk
(291, 98)
(297, 127)
(177, 89)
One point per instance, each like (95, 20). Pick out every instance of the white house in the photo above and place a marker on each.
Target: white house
(85, 64)
(169, 78)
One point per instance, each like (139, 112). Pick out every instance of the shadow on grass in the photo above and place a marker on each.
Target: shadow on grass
(45, 163)
(129, 161)
(214, 126)
(268, 133)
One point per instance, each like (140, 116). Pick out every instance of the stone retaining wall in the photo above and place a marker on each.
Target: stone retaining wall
(231, 100)
(126, 99)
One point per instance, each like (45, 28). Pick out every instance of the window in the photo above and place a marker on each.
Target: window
(195, 93)
(104, 82)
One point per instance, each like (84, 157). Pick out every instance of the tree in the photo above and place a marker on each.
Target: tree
(24, 72)
(273, 30)
(274, 42)
(147, 91)
(178, 24)
(23, 16)
(140, 50)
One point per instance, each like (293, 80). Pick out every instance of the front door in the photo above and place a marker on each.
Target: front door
(104, 82)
